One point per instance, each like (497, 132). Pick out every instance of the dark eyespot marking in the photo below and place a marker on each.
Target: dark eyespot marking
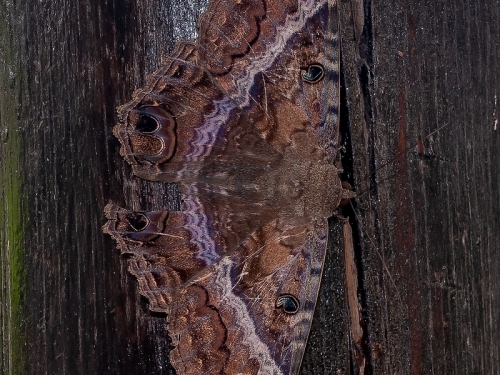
(288, 303)
(141, 226)
(153, 138)
(137, 221)
(146, 124)
(314, 73)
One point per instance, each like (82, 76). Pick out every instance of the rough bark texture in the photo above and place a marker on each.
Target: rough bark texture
(421, 149)
(422, 84)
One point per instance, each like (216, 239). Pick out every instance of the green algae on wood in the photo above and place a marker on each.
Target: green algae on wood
(12, 274)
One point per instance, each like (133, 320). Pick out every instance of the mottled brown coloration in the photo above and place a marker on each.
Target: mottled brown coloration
(66, 68)
(245, 122)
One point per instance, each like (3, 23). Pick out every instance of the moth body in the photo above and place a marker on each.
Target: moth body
(245, 122)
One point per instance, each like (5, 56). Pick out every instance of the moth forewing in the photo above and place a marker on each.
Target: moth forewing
(245, 120)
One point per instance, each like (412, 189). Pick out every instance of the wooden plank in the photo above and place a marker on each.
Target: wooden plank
(426, 232)
(428, 221)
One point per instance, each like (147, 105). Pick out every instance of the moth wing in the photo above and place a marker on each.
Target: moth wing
(281, 92)
(279, 61)
(177, 121)
(167, 248)
(250, 312)
(163, 251)
(251, 96)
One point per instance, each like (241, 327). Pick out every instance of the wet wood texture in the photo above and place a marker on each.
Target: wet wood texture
(421, 149)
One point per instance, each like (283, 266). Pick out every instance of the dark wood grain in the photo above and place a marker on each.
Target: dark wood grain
(427, 229)
(428, 221)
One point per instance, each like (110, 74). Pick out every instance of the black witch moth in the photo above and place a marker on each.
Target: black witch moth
(245, 122)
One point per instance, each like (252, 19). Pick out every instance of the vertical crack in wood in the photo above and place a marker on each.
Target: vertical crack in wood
(351, 274)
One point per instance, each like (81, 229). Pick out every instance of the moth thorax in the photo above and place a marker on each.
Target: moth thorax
(310, 190)
(323, 191)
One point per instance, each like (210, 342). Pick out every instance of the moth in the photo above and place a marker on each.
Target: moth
(244, 120)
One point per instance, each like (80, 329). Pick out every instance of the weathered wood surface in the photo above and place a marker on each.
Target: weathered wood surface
(430, 222)
(427, 230)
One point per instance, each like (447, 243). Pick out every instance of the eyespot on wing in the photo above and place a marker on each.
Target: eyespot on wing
(147, 135)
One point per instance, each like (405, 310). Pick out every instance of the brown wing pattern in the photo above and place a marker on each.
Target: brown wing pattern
(245, 121)
(226, 320)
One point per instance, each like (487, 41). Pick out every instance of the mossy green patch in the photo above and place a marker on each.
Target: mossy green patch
(12, 271)
(12, 274)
